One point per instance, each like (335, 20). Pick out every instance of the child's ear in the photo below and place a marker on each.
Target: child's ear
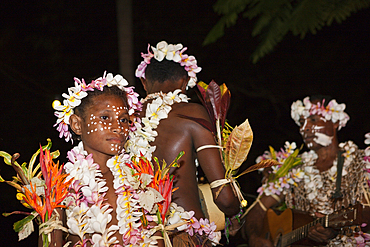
(184, 83)
(144, 82)
(75, 123)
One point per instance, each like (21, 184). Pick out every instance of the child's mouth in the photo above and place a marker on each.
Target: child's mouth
(115, 140)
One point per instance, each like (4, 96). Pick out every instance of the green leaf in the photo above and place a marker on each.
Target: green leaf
(19, 224)
(7, 157)
(289, 163)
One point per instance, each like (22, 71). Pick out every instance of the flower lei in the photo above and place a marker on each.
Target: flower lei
(87, 212)
(170, 52)
(158, 109)
(333, 111)
(79, 91)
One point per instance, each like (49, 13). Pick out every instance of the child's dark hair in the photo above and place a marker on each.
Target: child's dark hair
(89, 100)
(164, 70)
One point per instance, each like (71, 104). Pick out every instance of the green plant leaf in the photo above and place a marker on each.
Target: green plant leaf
(17, 226)
(7, 157)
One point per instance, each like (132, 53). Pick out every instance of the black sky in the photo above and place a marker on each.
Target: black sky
(43, 45)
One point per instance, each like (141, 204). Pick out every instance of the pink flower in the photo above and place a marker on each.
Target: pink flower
(63, 131)
(193, 226)
(84, 86)
(99, 83)
(140, 71)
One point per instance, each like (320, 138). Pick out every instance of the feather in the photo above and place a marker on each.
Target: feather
(238, 146)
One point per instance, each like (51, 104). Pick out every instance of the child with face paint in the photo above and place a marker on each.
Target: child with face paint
(98, 115)
(319, 118)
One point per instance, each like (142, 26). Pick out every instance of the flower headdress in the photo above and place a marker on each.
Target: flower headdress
(79, 91)
(333, 111)
(170, 52)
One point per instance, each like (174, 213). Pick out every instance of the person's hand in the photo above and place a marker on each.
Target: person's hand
(259, 242)
(320, 234)
(235, 226)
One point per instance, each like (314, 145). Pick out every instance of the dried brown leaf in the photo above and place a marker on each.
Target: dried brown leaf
(238, 146)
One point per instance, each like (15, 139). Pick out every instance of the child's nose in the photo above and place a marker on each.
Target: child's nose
(116, 127)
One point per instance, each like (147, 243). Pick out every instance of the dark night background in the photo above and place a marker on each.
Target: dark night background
(44, 44)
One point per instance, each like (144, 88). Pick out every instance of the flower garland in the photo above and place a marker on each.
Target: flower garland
(79, 91)
(136, 197)
(170, 52)
(88, 213)
(158, 109)
(333, 111)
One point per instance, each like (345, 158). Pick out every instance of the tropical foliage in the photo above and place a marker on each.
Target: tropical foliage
(42, 191)
(277, 18)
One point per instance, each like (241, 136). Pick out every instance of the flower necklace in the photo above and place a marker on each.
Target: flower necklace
(87, 212)
(158, 109)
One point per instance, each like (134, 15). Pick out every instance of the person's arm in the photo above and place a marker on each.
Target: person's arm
(212, 166)
(253, 227)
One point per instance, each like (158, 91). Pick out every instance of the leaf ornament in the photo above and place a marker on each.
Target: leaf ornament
(216, 99)
(238, 146)
(30, 180)
(288, 164)
(262, 164)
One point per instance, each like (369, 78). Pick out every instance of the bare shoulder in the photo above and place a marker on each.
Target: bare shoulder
(191, 110)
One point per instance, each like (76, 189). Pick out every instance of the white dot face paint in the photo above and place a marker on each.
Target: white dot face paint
(106, 127)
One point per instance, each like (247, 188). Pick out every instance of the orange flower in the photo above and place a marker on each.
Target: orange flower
(56, 187)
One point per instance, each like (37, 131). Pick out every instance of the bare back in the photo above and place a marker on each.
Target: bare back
(176, 134)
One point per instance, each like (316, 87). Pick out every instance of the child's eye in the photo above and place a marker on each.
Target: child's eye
(124, 120)
(104, 117)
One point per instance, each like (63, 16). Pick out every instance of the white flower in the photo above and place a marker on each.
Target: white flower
(154, 110)
(99, 218)
(160, 51)
(290, 147)
(117, 80)
(150, 122)
(296, 110)
(103, 240)
(74, 96)
(173, 54)
(192, 82)
(367, 138)
(172, 97)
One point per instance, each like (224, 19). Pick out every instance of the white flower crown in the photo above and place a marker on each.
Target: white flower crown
(170, 52)
(79, 91)
(333, 111)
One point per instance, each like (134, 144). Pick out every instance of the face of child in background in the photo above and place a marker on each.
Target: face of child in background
(104, 129)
